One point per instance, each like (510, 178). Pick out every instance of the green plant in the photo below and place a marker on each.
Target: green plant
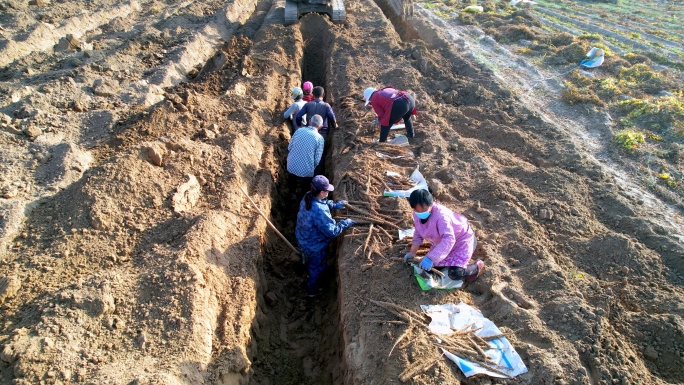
(660, 114)
(590, 36)
(634, 35)
(629, 140)
(608, 88)
(574, 95)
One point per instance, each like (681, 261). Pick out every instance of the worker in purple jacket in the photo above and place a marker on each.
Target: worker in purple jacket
(452, 238)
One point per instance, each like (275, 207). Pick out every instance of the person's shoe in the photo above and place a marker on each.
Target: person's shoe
(315, 293)
(480, 270)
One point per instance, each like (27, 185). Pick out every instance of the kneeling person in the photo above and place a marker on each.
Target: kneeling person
(452, 238)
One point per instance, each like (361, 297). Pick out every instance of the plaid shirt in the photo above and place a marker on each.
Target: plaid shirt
(306, 150)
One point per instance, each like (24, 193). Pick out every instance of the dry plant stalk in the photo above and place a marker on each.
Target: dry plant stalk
(370, 232)
(396, 309)
(361, 211)
(417, 260)
(401, 337)
(418, 369)
(463, 342)
(372, 219)
(382, 321)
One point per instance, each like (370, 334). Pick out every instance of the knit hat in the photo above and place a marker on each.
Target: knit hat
(307, 86)
(367, 94)
(296, 92)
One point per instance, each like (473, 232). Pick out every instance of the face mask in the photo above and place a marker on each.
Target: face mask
(423, 215)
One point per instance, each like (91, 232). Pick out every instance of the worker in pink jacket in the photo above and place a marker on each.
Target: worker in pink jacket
(453, 240)
(391, 106)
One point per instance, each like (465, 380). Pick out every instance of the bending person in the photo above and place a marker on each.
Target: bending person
(391, 106)
(452, 238)
(316, 228)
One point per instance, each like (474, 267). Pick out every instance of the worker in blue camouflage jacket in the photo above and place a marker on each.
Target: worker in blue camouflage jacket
(316, 228)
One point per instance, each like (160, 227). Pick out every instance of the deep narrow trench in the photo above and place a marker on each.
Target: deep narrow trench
(299, 343)
(404, 28)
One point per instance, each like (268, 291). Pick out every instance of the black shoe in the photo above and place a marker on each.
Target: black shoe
(316, 293)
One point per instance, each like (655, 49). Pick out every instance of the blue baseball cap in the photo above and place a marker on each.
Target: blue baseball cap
(321, 183)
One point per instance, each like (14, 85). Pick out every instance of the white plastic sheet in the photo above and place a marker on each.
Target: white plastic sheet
(449, 317)
(406, 233)
(416, 177)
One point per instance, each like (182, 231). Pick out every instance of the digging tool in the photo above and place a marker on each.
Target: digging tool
(271, 225)
(417, 260)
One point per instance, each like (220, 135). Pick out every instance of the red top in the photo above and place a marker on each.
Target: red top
(381, 101)
(308, 98)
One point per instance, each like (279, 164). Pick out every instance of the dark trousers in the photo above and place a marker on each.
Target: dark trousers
(458, 273)
(320, 169)
(317, 261)
(401, 108)
(295, 181)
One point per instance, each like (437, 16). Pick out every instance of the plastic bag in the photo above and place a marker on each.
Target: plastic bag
(428, 280)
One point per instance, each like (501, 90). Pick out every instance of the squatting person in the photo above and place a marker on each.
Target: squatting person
(452, 238)
(316, 228)
(391, 106)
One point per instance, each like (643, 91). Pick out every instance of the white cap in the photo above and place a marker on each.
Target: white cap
(367, 94)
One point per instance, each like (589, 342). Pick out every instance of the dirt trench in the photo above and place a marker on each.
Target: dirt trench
(300, 343)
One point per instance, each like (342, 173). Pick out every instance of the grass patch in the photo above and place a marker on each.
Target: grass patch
(562, 39)
(572, 53)
(580, 95)
(660, 115)
(514, 33)
(629, 140)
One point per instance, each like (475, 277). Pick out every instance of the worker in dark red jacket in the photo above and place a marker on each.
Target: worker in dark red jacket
(391, 106)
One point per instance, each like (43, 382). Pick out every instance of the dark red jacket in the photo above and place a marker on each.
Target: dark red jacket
(308, 97)
(381, 101)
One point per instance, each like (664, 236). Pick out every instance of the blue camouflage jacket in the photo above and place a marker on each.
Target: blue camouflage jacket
(316, 227)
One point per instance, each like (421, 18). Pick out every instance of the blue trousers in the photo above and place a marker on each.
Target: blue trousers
(317, 262)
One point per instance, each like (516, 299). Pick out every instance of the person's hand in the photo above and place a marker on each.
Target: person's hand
(347, 222)
(407, 257)
(426, 264)
(339, 205)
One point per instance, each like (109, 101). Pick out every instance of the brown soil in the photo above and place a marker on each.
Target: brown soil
(114, 278)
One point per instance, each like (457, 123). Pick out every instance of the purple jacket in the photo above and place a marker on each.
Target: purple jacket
(453, 241)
